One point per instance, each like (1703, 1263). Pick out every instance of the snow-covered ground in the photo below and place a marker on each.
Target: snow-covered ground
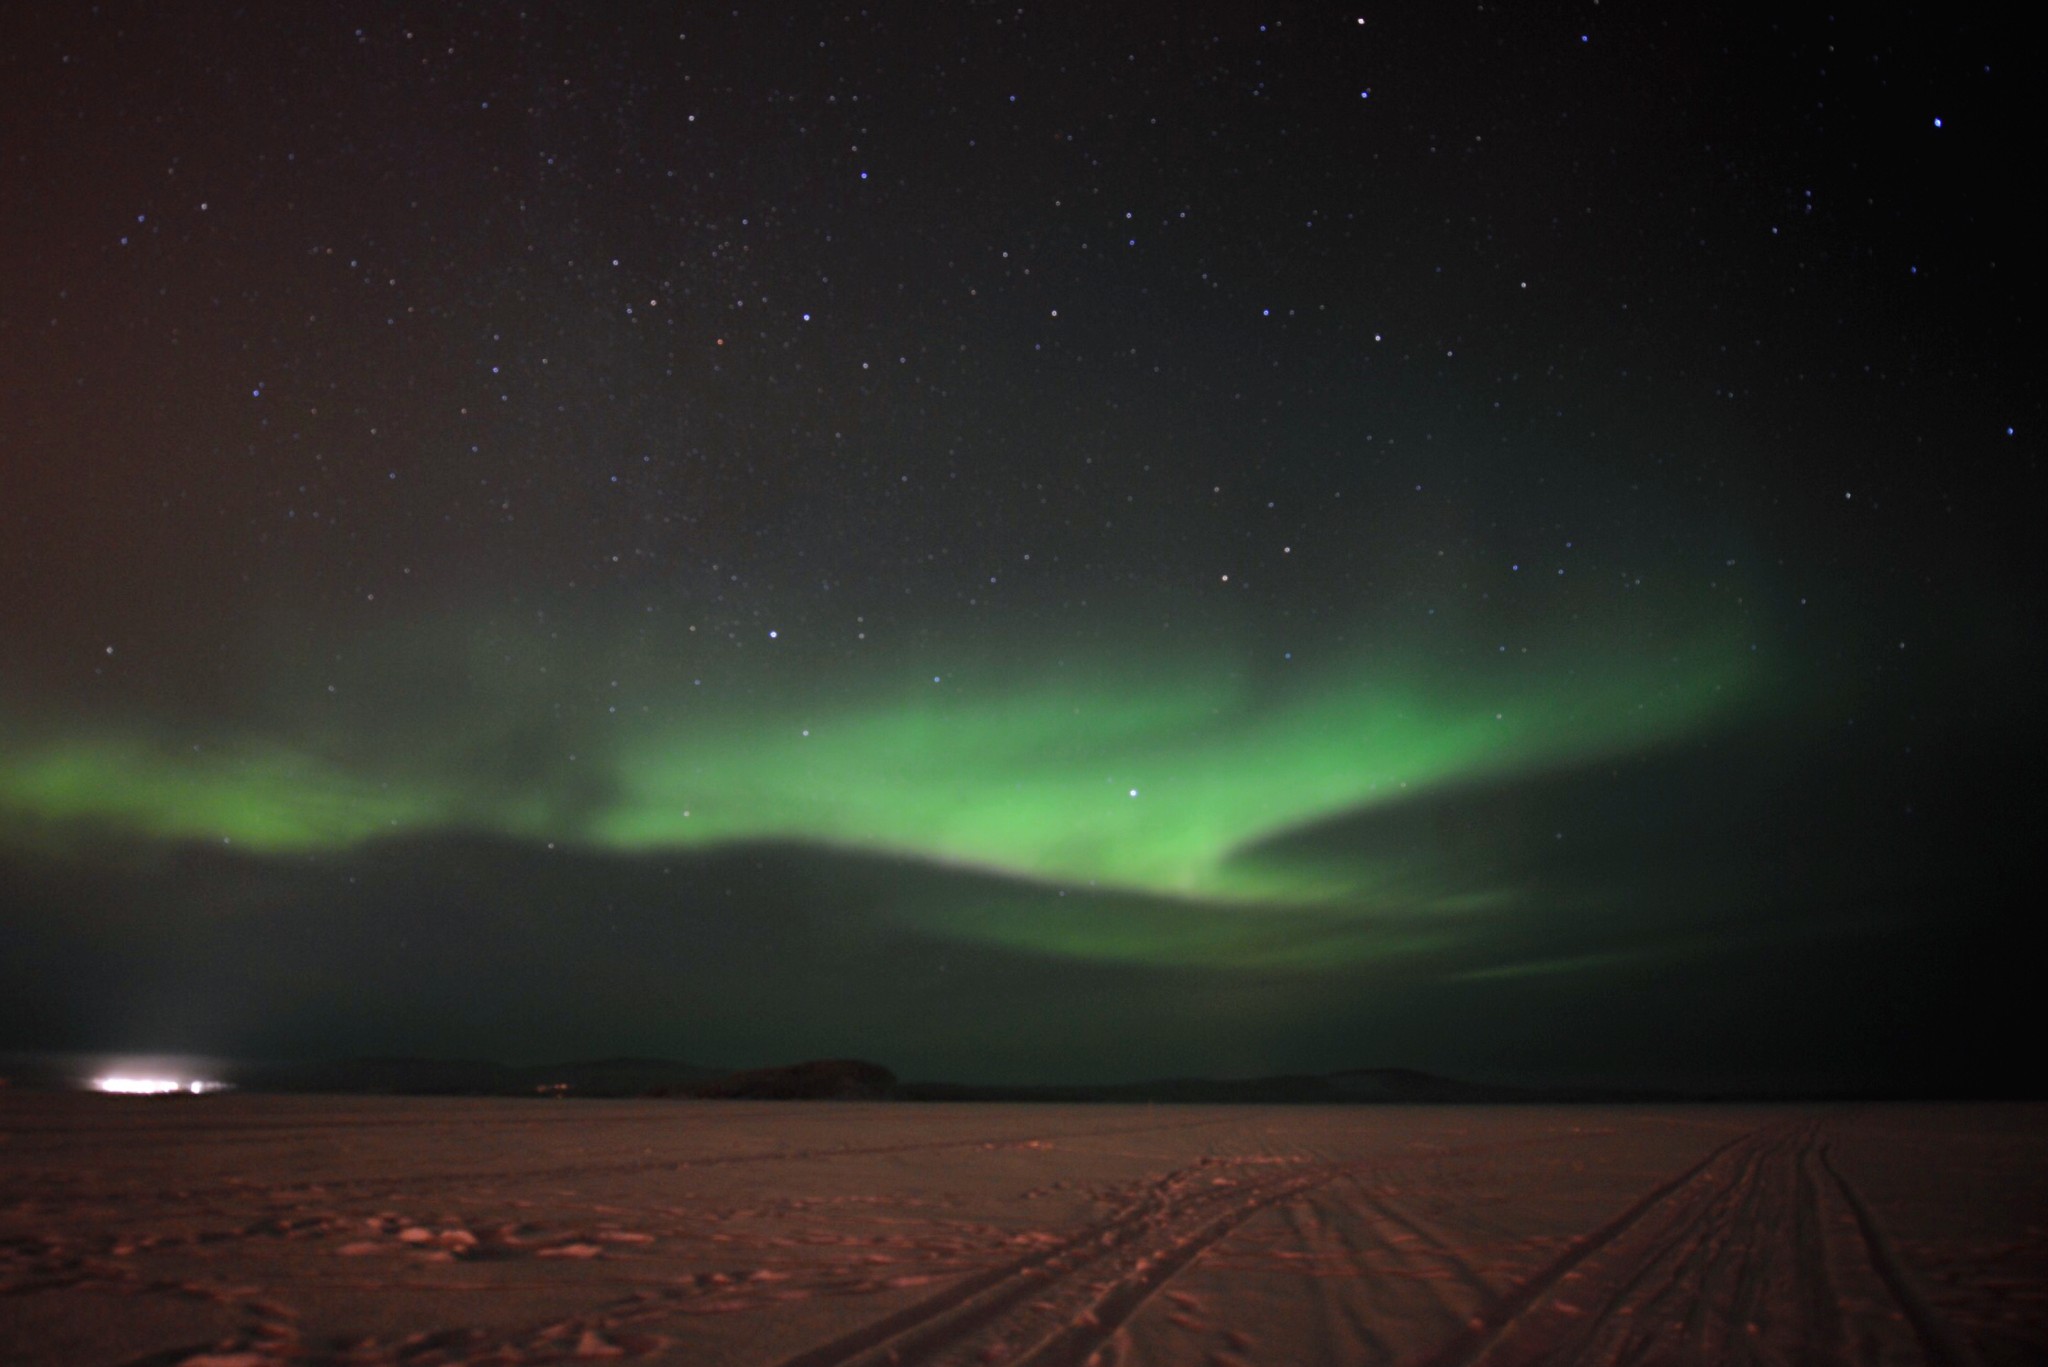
(248, 1230)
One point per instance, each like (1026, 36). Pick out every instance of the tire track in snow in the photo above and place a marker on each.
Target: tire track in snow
(1487, 1330)
(1940, 1344)
(1057, 1307)
(1429, 1240)
(1760, 1253)
(1060, 1307)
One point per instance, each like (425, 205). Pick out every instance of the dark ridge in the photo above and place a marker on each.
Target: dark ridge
(837, 1079)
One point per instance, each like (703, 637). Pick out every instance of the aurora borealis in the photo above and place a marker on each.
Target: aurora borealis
(1023, 546)
(1148, 778)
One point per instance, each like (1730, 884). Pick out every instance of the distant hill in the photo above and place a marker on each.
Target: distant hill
(838, 1079)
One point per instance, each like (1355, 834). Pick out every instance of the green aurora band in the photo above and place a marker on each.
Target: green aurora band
(1151, 778)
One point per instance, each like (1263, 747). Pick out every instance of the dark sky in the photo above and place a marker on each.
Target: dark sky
(1046, 542)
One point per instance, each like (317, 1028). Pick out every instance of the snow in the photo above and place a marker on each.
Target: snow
(256, 1230)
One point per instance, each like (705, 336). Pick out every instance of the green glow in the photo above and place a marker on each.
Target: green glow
(265, 796)
(1018, 767)
(1038, 780)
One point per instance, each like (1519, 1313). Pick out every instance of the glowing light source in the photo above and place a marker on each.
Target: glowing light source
(155, 1086)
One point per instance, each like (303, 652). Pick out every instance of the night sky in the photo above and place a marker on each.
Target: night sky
(1052, 543)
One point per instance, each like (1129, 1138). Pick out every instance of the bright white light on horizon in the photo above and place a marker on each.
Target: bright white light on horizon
(139, 1086)
(154, 1086)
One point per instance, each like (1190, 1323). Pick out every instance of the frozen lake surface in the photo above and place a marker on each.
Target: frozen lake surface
(239, 1231)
